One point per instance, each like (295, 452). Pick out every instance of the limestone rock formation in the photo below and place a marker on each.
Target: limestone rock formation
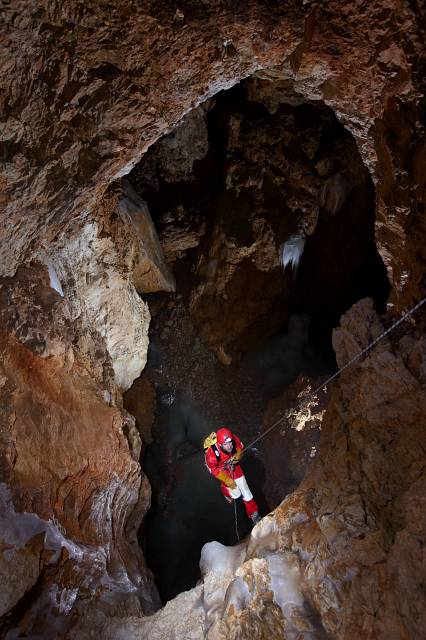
(172, 158)
(179, 233)
(150, 273)
(104, 299)
(70, 477)
(268, 184)
(73, 475)
(100, 263)
(230, 267)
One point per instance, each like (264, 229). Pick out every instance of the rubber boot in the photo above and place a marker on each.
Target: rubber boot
(255, 517)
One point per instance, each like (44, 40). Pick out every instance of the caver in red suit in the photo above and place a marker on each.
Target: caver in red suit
(233, 485)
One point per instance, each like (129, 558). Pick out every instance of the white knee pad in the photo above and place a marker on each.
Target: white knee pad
(244, 488)
(235, 493)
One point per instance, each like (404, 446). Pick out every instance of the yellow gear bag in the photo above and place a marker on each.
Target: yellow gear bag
(209, 441)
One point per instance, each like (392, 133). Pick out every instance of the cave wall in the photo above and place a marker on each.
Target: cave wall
(86, 89)
(250, 177)
(69, 472)
(74, 335)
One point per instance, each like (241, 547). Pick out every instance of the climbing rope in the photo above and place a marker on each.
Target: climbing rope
(234, 500)
(236, 518)
(323, 385)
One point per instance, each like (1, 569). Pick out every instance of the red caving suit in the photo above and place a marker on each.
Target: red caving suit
(215, 466)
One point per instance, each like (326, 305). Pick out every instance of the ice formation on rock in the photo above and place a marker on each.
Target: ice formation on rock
(291, 251)
(54, 280)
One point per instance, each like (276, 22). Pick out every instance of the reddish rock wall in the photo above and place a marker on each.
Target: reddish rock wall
(69, 477)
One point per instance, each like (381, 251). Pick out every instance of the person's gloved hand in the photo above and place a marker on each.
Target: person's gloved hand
(231, 484)
(237, 456)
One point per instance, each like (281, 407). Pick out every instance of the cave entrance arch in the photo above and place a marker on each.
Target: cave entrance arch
(246, 180)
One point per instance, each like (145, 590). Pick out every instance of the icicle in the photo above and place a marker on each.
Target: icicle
(291, 251)
(54, 280)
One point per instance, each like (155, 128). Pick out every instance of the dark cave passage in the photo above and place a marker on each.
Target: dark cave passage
(195, 394)
(227, 190)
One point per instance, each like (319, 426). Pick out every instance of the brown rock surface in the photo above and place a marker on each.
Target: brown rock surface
(87, 91)
(229, 268)
(150, 272)
(67, 470)
(21, 567)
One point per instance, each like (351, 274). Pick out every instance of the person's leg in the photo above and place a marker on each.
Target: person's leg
(249, 502)
(230, 494)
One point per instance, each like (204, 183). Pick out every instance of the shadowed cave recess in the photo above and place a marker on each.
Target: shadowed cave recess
(265, 214)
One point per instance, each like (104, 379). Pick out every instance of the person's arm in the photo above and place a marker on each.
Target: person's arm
(238, 449)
